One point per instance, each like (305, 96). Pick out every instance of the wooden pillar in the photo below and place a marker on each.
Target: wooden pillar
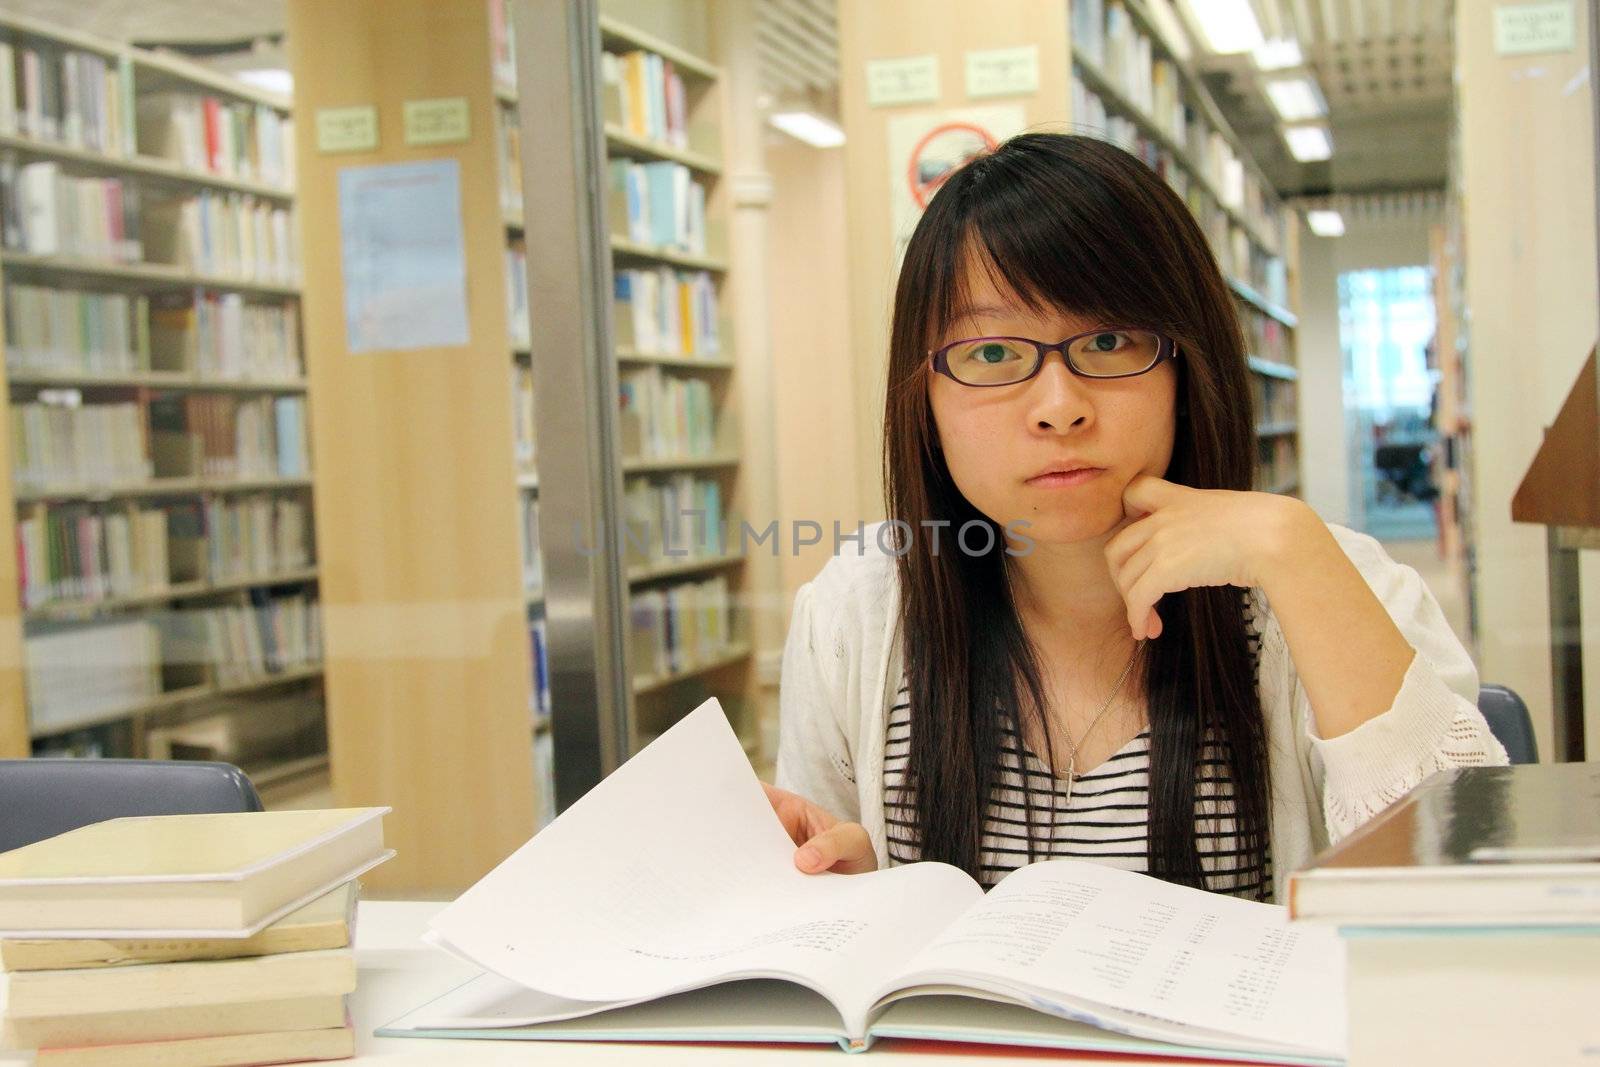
(428, 675)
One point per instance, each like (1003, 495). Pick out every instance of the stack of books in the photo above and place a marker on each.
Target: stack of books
(186, 939)
(1470, 914)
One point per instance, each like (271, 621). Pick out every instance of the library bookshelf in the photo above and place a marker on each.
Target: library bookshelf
(158, 581)
(1132, 87)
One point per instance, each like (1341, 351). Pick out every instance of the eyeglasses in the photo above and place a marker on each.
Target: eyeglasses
(1105, 353)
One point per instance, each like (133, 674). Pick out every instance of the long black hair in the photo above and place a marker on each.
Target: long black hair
(1082, 227)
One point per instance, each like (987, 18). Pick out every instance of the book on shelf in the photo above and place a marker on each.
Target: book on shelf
(222, 234)
(265, 729)
(664, 415)
(532, 564)
(503, 44)
(228, 436)
(653, 945)
(71, 331)
(524, 437)
(508, 154)
(671, 519)
(67, 96)
(677, 627)
(253, 535)
(544, 764)
(662, 311)
(91, 552)
(55, 444)
(229, 138)
(658, 204)
(235, 644)
(86, 670)
(521, 324)
(538, 638)
(225, 337)
(47, 212)
(644, 94)
(184, 876)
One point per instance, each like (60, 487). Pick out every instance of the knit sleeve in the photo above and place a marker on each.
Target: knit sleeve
(814, 751)
(1434, 722)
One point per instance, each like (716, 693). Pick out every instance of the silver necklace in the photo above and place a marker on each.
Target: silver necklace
(1072, 747)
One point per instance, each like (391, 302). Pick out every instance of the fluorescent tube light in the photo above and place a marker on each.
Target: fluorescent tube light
(272, 80)
(1228, 25)
(1308, 143)
(1325, 223)
(805, 126)
(1296, 99)
(1281, 53)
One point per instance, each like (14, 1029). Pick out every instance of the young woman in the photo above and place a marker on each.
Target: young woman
(1081, 632)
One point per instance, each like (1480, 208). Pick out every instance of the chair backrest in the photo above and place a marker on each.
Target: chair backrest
(41, 798)
(1509, 721)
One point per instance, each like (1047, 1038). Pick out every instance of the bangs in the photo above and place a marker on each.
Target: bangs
(1054, 239)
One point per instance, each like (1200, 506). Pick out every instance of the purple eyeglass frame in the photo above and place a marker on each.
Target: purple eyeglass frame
(1166, 348)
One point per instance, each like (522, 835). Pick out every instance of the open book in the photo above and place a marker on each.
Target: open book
(665, 905)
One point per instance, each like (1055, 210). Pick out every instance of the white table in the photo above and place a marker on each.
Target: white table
(397, 972)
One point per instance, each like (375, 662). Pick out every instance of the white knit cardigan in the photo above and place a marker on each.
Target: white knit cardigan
(842, 663)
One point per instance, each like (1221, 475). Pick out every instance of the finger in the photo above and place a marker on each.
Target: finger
(1144, 595)
(1149, 493)
(1130, 540)
(801, 819)
(844, 848)
(1134, 567)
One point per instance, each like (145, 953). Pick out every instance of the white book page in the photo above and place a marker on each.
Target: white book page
(674, 872)
(1132, 943)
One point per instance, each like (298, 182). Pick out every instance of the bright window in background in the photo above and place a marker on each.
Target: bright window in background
(1386, 322)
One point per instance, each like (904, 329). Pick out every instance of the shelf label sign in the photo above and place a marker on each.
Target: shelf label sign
(1003, 72)
(1528, 29)
(436, 121)
(347, 129)
(907, 80)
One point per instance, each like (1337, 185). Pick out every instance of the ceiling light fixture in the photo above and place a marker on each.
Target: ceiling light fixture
(1325, 223)
(1296, 99)
(1280, 53)
(1308, 144)
(1228, 25)
(811, 128)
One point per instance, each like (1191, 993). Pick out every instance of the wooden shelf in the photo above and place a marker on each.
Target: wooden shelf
(82, 609)
(140, 166)
(619, 142)
(656, 254)
(1119, 102)
(159, 487)
(645, 466)
(1273, 369)
(175, 698)
(618, 36)
(688, 565)
(706, 363)
(1261, 303)
(733, 654)
(155, 379)
(141, 275)
(275, 773)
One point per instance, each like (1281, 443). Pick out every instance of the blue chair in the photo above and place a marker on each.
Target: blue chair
(41, 798)
(1508, 720)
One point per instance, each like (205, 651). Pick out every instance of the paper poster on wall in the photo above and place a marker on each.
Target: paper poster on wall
(405, 273)
(925, 147)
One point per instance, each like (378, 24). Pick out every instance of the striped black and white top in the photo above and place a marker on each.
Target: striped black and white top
(1106, 819)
